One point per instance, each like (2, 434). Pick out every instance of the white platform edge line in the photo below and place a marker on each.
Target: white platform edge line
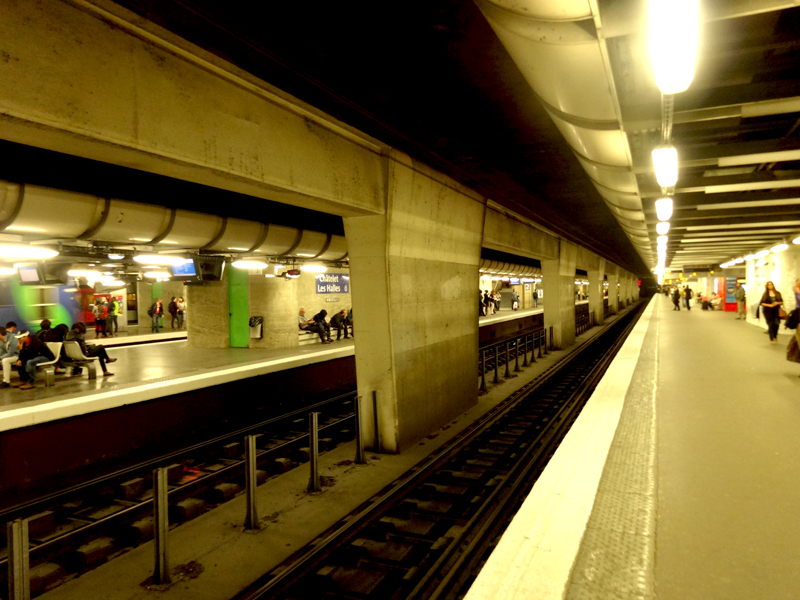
(60, 409)
(534, 558)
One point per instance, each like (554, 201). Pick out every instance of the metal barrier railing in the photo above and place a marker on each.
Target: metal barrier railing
(493, 356)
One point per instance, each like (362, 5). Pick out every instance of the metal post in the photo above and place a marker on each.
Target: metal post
(19, 581)
(551, 338)
(508, 374)
(483, 370)
(161, 525)
(377, 445)
(360, 456)
(313, 443)
(541, 333)
(533, 348)
(251, 482)
(525, 351)
(496, 365)
(516, 355)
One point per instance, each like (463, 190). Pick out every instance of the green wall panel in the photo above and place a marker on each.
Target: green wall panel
(239, 307)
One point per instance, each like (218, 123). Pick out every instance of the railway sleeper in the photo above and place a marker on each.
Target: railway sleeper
(365, 581)
(416, 526)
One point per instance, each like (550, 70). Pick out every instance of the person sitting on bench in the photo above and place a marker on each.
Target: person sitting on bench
(339, 322)
(305, 325)
(77, 334)
(32, 351)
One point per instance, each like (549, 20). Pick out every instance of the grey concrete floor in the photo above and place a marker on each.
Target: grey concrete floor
(140, 364)
(728, 456)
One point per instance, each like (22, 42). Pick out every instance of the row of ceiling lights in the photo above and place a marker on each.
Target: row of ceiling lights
(673, 29)
(759, 256)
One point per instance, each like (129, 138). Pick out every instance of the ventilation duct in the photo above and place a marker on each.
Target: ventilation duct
(36, 212)
(555, 45)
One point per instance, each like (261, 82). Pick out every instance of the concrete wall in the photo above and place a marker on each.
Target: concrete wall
(275, 299)
(208, 326)
(508, 232)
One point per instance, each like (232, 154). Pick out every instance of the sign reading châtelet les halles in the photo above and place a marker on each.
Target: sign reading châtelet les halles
(333, 283)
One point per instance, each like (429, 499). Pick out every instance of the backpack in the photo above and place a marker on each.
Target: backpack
(793, 319)
(151, 311)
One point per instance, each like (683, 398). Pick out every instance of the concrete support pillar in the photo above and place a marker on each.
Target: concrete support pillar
(559, 295)
(274, 299)
(595, 277)
(414, 271)
(208, 323)
(613, 291)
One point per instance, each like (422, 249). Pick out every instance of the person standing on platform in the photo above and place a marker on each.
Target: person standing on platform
(688, 297)
(497, 298)
(113, 313)
(100, 312)
(181, 312)
(740, 300)
(676, 299)
(172, 309)
(156, 312)
(514, 300)
(771, 303)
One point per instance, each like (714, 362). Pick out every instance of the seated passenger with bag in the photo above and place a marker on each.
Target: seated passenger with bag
(339, 322)
(319, 319)
(32, 351)
(305, 325)
(76, 334)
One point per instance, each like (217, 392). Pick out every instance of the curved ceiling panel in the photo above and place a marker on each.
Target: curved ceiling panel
(279, 240)
(564, 75)
(555, 10)
(192, 230)
(239, 236)
(620, 179)
(608, 147)
(130, 222)
(337, 249)
(620, 199)
(9, 197)
(630, 215)
(311, 244)
(42, 211)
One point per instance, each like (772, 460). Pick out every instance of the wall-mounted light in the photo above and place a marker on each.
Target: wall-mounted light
(664, 209)
(673, 27)
(665, 161)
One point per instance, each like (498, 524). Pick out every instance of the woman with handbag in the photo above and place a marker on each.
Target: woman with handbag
(771, 303)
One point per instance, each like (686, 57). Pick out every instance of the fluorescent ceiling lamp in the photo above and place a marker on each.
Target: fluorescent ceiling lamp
(116, 256)
(748, 204)
(306, 255)
(14, 251)
(81, 273)
(249, 264)
(662, 228)
(779, 248)
(796, 240)
(665, 161)
(661, 240)
(762, 253)
(7, 271)
(269, 275)
(758, 159)
(664, 209)
(674, 26)
(314, 268)
(159, 259)
(738, 261)
(157, 275)
(750, 257)
(279, 266)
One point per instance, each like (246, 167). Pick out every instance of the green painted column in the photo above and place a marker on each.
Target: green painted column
(239, 307)
(156, 291)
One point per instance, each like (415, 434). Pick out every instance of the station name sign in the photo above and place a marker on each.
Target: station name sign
(333, 283)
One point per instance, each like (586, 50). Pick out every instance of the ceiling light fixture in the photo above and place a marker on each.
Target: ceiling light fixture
(738, 261)
(311, 268)
(674, 26)
(13, 251)
(249, 264)
(662, 228)
(7, 271)
(762, 253)
(796, 240)
(779, 248)
(159, 259)
(116, 256)
(664, 209)
(158, 275)
(661, 240)
(665, 161)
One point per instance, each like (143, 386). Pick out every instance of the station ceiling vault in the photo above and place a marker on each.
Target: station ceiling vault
(433, 79)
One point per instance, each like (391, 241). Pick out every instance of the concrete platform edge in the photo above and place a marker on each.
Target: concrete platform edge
(535, 556)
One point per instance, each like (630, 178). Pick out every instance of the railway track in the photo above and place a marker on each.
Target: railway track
(427, 534)
(73, 530)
